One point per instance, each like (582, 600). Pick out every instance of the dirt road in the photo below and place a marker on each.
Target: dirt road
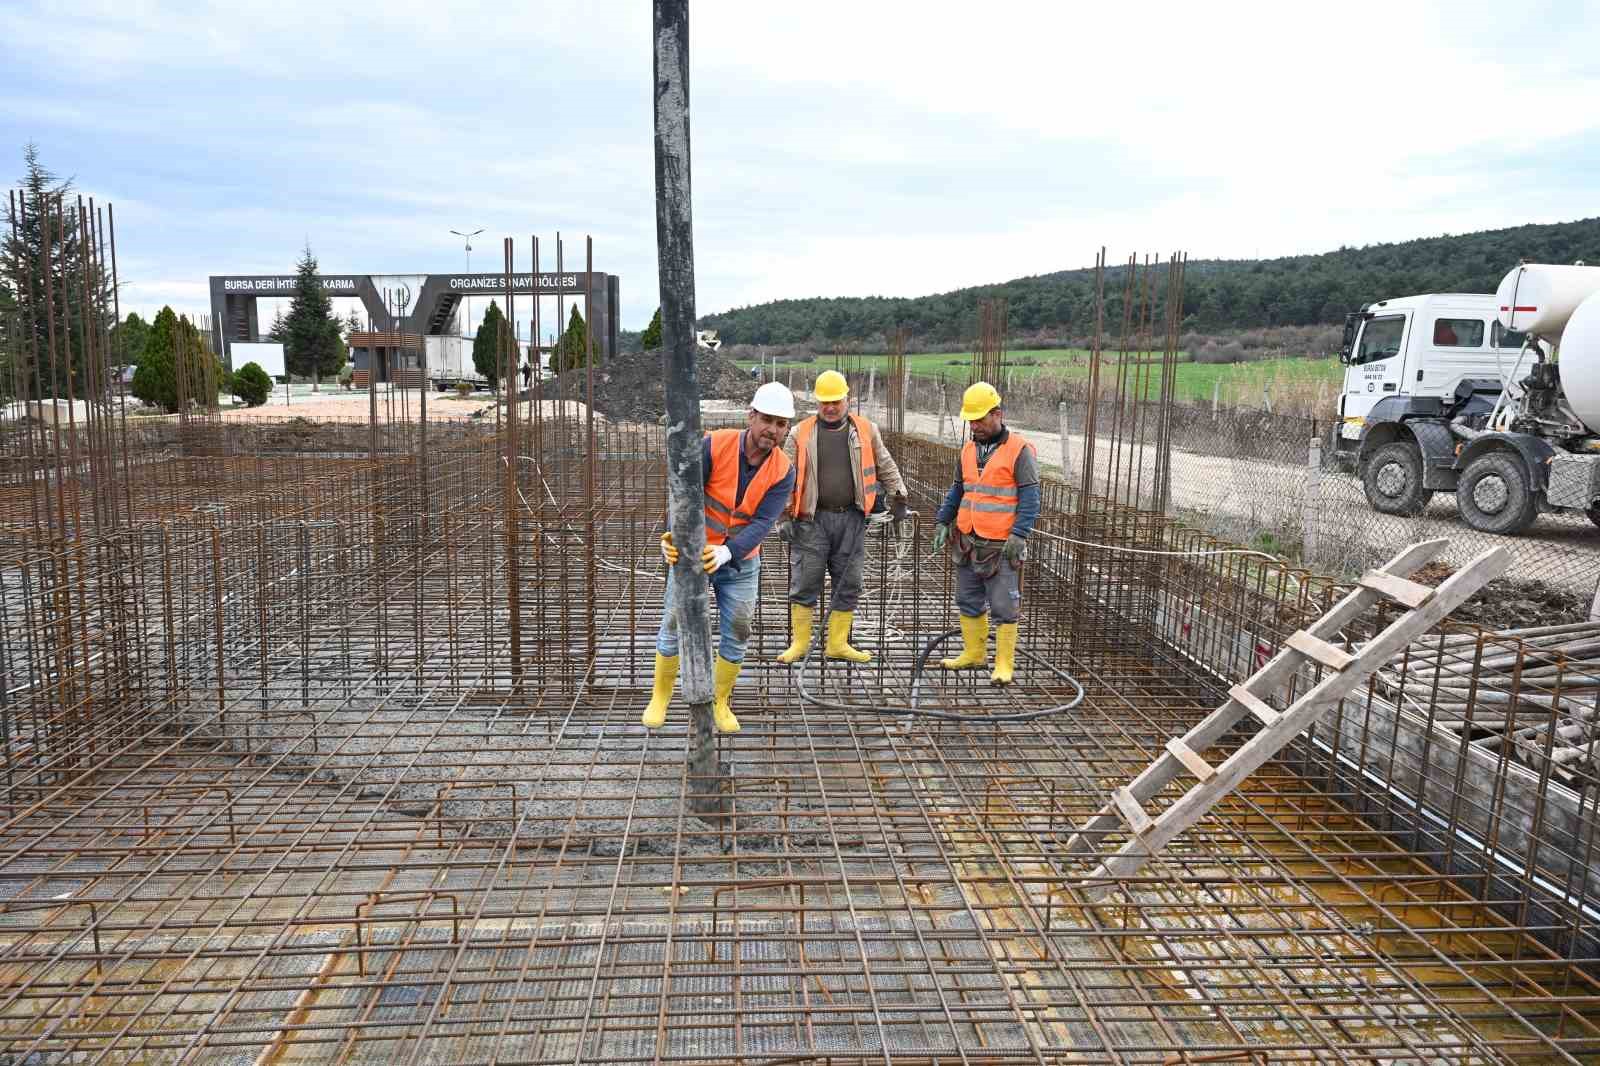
(1262, 502)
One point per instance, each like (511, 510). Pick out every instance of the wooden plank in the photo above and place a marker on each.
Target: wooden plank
(1132, 813)
(1256, 706)
(1187, 755)
(1406, 593)
(1320, 650)
(1194, 804)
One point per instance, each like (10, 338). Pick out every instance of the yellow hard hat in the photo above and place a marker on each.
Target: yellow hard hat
(831, 386)
(979, 399)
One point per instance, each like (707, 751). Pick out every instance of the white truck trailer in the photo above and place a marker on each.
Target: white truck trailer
(1493, 398)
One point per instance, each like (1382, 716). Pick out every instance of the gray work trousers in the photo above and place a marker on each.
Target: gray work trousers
(834, 542)
(987, 582)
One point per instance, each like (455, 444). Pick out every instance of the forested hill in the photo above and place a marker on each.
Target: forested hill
(1218, 294)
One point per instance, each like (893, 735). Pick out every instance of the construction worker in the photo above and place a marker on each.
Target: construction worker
(993, 505)
(747, 484)
(840, 461)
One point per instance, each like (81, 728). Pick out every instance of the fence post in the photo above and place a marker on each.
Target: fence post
(1311, 505)
(1061, 413)
(1266, 398)
(1216, 398)
(941, 410)
(872, 384)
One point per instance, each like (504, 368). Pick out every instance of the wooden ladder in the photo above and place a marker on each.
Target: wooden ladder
(1426, 607)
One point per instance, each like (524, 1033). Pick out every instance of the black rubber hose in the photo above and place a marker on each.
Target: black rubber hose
(947, 716)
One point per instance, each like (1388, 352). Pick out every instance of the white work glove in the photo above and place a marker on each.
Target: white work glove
(715, 557)
(879, 520)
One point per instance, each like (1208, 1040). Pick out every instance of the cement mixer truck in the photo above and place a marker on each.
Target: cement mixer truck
(1496, 399)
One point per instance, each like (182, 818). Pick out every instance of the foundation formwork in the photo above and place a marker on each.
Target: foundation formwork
(327, 749)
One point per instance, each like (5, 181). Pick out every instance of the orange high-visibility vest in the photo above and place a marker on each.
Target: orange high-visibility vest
(989, 500)
(725, 516)
(869, 462)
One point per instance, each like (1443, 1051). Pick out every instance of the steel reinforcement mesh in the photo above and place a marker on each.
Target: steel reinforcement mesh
(288, 779)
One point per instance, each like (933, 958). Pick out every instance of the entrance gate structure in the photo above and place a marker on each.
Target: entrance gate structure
(234, 317)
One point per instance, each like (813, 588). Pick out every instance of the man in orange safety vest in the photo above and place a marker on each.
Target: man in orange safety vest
(747, 481)
(842, 471)
(986, 518)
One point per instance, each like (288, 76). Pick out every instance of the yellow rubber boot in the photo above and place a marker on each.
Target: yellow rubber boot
(1005, 653)
(974, 644)
(839, 638)
(723, 675)
(655, 715)
(801, 619)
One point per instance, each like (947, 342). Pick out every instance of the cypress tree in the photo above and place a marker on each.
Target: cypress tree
(486, 345)
(156, 379)
(570, 349)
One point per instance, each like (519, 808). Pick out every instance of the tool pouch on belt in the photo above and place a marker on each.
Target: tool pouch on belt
(982, 555)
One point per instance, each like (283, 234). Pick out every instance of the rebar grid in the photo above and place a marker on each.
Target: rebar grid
(276, 788)
(321, 745)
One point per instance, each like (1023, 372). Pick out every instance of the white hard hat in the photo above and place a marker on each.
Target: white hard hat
(775, 399)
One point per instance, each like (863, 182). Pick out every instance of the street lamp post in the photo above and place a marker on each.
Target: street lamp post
(467, 319)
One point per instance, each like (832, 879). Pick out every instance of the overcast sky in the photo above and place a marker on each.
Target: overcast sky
(870, 147)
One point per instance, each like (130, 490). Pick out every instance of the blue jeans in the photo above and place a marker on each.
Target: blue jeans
(735, 589)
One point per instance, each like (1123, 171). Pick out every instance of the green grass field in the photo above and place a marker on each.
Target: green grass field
(1286, 377)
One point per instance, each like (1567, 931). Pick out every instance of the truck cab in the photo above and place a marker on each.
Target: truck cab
(1418, 348)
(1414, 366)
(1441, 394)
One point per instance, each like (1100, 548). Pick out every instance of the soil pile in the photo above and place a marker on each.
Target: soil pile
(632, 387)
(1511, 603)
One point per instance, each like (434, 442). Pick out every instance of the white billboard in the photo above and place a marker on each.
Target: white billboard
(268, 356)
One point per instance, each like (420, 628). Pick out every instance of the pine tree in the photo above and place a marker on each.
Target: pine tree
(311, 333)
(21, 250)
(650, 339)
(492, 335)
(570, 350)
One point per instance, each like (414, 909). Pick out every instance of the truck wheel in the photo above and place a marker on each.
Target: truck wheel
(1392, 479)
(1494, 494)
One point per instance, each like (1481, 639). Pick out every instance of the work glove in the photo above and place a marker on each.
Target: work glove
(668, 551)
(715, 557)
(879, 519)
(940, 537)
(897, 507)
(786, 531)
(1014, 550)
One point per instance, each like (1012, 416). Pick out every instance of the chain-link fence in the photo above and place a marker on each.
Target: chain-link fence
(1258, 478)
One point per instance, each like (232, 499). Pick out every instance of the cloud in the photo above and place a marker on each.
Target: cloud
(839, 148)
